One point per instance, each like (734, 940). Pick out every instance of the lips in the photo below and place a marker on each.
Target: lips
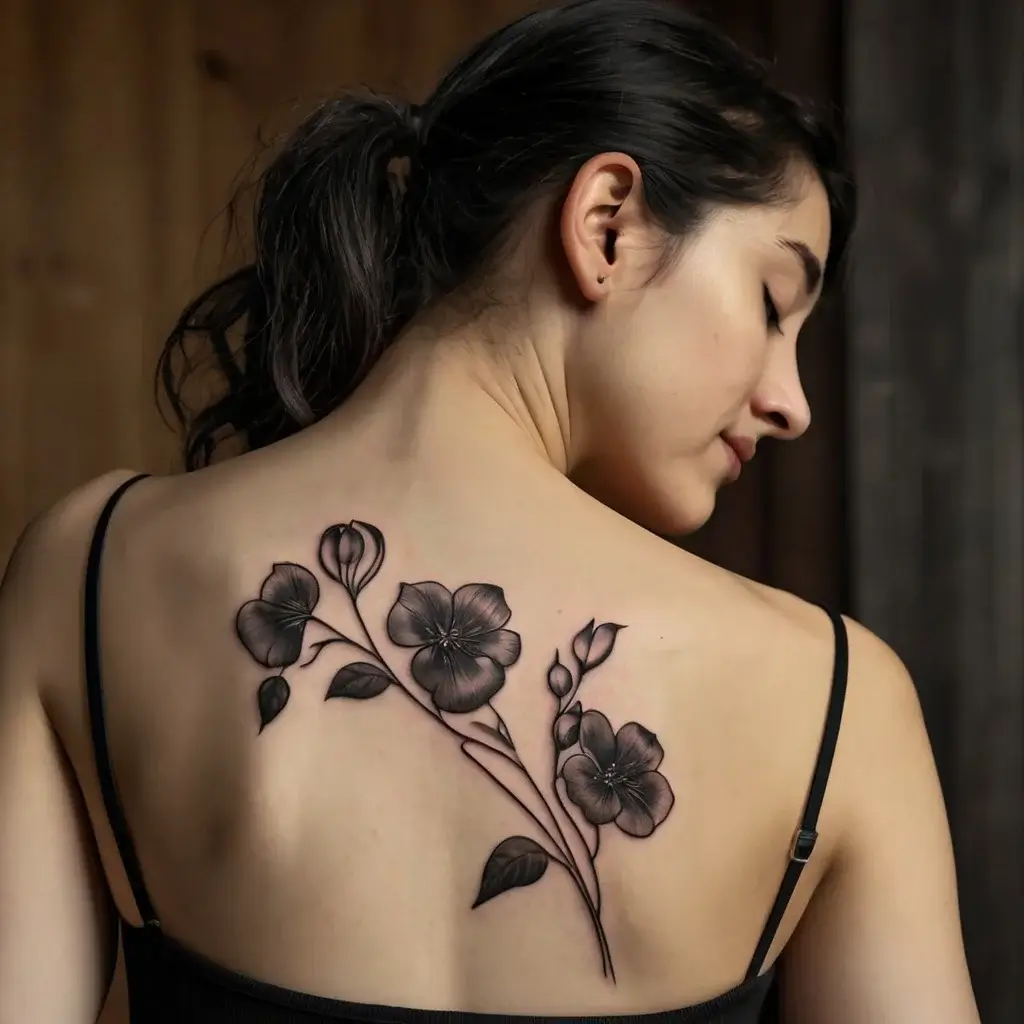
(743, 446)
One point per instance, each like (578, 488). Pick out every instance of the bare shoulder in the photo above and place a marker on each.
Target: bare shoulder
(882, 725)
(51, 881)
(64, 525)
(881, 936)
(40, 596)
(877, 678)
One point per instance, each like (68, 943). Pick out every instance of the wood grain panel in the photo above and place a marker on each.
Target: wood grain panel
(123, 126)
(18, 261)
(936, 93)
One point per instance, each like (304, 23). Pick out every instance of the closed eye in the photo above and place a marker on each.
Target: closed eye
(771, 312)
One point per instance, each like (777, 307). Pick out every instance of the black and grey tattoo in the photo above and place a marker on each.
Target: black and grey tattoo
(598, 776)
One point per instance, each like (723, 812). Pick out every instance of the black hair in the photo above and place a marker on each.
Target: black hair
(345, 256)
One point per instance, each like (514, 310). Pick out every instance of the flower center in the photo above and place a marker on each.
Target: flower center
(612, 776)
(450, 638)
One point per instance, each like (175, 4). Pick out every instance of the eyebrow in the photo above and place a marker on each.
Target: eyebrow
(811, 263)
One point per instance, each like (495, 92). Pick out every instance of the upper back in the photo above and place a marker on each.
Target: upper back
(349, 842)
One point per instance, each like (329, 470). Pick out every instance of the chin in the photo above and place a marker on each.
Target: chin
(669, 507)
(679, 519)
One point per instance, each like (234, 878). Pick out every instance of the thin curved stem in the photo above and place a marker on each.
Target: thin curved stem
(602, 940)
(569, 863)
(366, 632)
(340, 638)
(568, 701)
(526, 810)
(582, 839)
(593, 905)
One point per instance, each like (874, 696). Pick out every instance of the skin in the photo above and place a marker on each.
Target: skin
(338, 853)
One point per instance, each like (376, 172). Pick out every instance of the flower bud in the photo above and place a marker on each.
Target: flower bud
(567, 727)
(559, 678)
(341, 547)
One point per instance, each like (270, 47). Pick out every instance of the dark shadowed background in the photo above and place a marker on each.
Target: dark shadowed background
(124, 122)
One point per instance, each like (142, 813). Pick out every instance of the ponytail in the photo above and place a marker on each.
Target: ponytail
(323, 296)
(343, 260)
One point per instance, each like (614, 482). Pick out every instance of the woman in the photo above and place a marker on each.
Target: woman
(409, 706)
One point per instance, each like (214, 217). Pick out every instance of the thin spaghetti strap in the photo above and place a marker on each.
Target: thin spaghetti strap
(806, 835)
(97, 714)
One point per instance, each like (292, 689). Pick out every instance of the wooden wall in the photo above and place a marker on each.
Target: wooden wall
(122, 126)
(936, 107)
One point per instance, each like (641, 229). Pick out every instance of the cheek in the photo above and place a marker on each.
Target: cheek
(668, 379)
(648, 402)
(734, 363)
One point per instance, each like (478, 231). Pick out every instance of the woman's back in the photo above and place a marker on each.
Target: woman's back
(405, 706)
(341, 847)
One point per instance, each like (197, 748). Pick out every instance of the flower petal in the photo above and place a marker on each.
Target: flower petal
(458, 683)
(583, 786)
(502, 645)
(272, 634)
(291, 586)
(329, 552)
(646, 802)
(422, 613)
(637, 749)
(479, 608)
(373, 542)
(597, 738)
(430, 667)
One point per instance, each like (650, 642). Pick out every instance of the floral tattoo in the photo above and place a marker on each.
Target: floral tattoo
(598, 776)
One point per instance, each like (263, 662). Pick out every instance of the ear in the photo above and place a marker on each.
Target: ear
(602, 220)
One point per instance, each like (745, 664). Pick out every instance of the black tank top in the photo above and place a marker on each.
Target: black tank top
(169, 984)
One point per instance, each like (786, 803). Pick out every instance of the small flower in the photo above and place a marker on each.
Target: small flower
(463, 649)
(615, 778)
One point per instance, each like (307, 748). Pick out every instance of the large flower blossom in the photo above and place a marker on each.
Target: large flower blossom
(463, 649)
(615, 778)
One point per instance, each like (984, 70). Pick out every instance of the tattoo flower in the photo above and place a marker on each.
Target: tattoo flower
(272, 627)
(614, 779)
(463, 649)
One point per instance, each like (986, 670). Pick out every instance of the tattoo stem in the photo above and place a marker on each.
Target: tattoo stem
(569, 863)
(340, 638)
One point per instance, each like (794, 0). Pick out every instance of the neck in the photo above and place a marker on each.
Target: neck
(437, 394)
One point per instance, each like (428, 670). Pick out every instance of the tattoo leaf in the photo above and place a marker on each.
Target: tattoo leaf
(593, 646)
(495, 734)
(515, 862)
(272, 627)
(271, 698)
(359, 681)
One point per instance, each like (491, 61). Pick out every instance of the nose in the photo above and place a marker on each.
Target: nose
(780, 400)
